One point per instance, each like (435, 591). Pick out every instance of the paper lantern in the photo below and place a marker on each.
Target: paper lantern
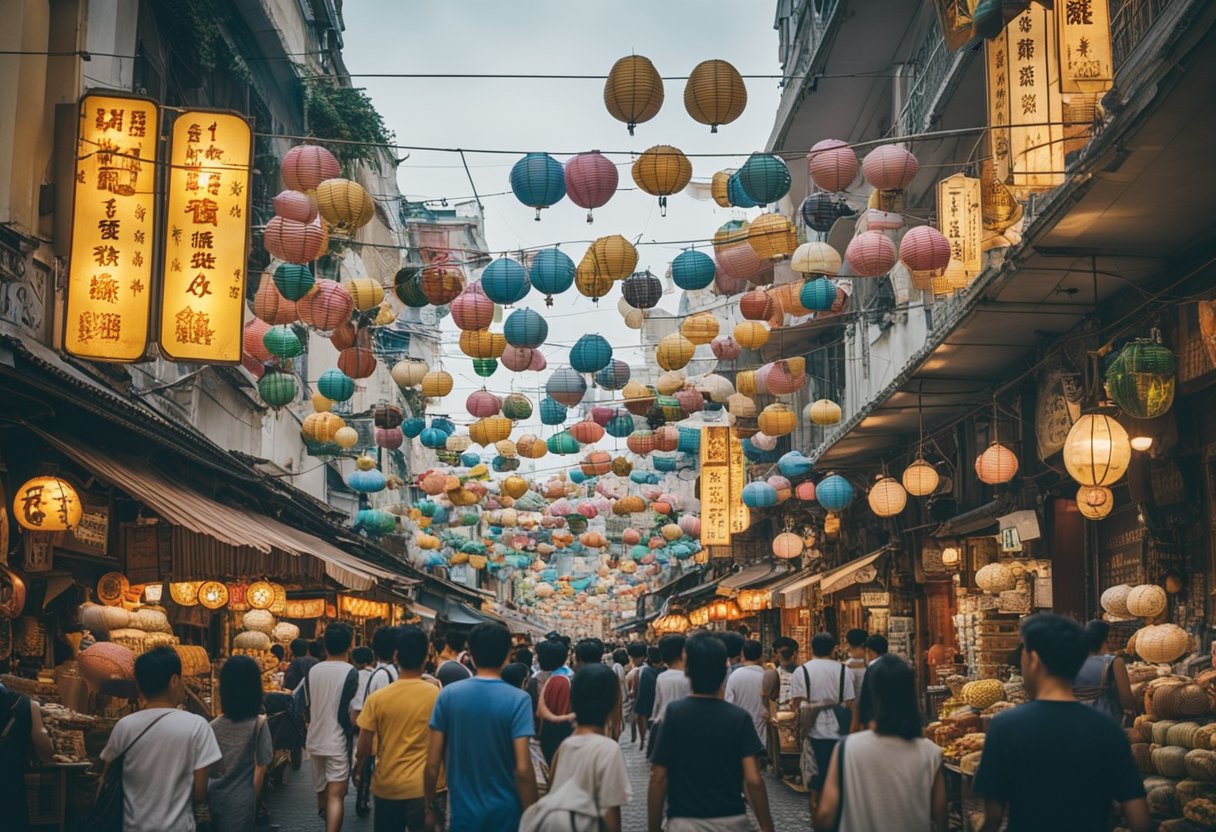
(408, 372)
(1095, 502)
(321, 427)
(295, 242)
(489, 430)
(472, 310)
(736, 263)
(714, 94)
(920, 479)
(552, 273)
(357, 362)
(719, 187)
(777, 419)
(759, 495)
(620, 426)
(1114, 601)
(692, 270)
(639, 398)
(870, 254)
(1161, 643)
(306, 166)
(633, 92)
(613, 257)
(924, 249)
(641, 442)
(505, 281)
(482, 403)
(566, 386)
(887, 497)
(674, 351)
(818, 295)
(805, 491)
(820, 211)
(596, 463)
(538, 181)
(715, 388)
(591, 180)
(736, 194)
(552, 412)
(614, 376)
(889, 168)
(832, 164)
(515, 406)
(278, 389)
(328, 307)
(344, 204)
(701, 328)
(294, 205)
(996, 465)
(587, 432)
(590, 353)
(750, 335)
(441, 283)
(485, 367)
(1097, 450)
(47, 504)
(589, 281)
(690, 401)
(765, 178)
(725, 348)
(407, 286)
(815, 258)
(662, 170)
(756, 305)
(282, 342)
(1141, 379)
(1146, 601)
(741, 406)
(525, 328)
(270, 306)
(823, 412)
(834, 492)
(437, 384)
(293, 280)
(642, 290)
(517, 359)
(562, 444)
(787, 375)
(787, 545)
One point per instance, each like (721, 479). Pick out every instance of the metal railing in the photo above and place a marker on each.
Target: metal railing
(813, 17)
(931, 66)
(1130, 23)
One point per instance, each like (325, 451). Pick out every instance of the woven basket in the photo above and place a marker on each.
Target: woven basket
(1146, 601)
(1161, 643)
(1162, 800)
(1169, 760)
(1114, 600)
(1182, 734)
(1189, 790)
(995, 578)
(251, 640)
(1161, 731)
(1201, 765)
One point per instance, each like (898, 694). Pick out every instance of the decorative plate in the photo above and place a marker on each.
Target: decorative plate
(213, 595)
(112, 588)
(184, 593)
(260, 595)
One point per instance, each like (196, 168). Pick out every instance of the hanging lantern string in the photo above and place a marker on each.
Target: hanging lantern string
(532, 76)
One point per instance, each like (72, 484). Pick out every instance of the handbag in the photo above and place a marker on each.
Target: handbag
(108, 808)
(844, 716)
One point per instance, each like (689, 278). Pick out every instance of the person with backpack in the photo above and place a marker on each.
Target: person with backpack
(157, 759)
(589, 781)
(825, 686)
(328, 690)
(643, 701)
(382, 674)
(21, 738)
(235, 783)
(1102, 681)
(453, 666)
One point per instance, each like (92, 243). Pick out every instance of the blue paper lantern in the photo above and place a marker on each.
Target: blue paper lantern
(642, 477)
(336, 385)
(764, 177)
(538, 181)
(834, 492)
(736, 194)
(413, 426)
(376, 521)
(505, 281)
(552, 273)
(639, 551)
(366, 482)
(689, 440)
(590, 353)
(620, 426)
(818, 295)
(469, 459)
(433, 438)
(756, 454)
(552, 412)
(525, 328)
(614, 376)
(444, 424)
(759, 495)
(794, 464)
(577, 476)
(440, 516)
(665, 464)
(692, 270)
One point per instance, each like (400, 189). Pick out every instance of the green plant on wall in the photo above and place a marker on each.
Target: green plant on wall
(345, 113)
(194, 28)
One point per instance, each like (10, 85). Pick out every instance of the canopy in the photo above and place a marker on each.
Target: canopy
(753, 576)
(840, 577)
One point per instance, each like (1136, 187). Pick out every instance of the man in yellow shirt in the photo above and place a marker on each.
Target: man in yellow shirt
(395, 721)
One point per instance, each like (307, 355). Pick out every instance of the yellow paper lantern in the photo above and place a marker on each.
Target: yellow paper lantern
(700, 328)
(505, 447)
(887, 498)
(345, 205)
(741, 406)
(777, 419)
(614, 257)
(481, 343)
(670, 382)
(751, 335)
(409, 372)
(788, 545)
(719, 187)
(996, 465)
(457, 443)
(772, 237)
(661, 171)
(815, 258)
(47, 504)
(715, 94)
(633, 92)
(1095, 502)
(674, 351)
(920, 478)
(321, 427)
(346, 437)
(365, 292)
(437, 384)
(1097, 450)
(514, 487)
(590, 282)
(634, 318)
(486, 432)
(823, 412)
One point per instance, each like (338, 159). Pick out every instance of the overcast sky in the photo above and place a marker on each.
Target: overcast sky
(562, 117)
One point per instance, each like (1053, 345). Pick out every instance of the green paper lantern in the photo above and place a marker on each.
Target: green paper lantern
(562, 443)
(408, 287)
(1141, 378)
(278, 389)
(282, 342)
(293, 280)
(516, 407)
(485, 367)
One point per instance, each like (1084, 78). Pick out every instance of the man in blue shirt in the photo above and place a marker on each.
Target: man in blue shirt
(480, 732)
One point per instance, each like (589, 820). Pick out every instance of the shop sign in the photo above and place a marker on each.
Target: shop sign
(304, 608)
(960, 218)
(876, 599)
(93, 530)
(354, 607)
(1011, 541)
(715, 486)
(109, 297)
(1025, 111)
(206, 238)
(740, 517)
(146, 550)
(1086, 63)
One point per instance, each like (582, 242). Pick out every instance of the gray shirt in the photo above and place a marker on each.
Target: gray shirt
(244, 744)
(902, 797)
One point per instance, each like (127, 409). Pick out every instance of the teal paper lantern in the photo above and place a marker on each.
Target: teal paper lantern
(538, 181)
(413, 427)
(590, 353)
(505, 281)
(794, 464)
(666, 464)
(818, 295)
(552, 412)
(834, 492)
(577, 476)
(485, 367)
(692, 270)
(427, 508)
(469, 459)
(613, 377)
(755, 454)
(759, 495)
(278, 389)
(525, 328)
(293, 280)
(282, 342)
(562, 443)
(444, 424)
(336, 385)
(620, 426)
(639, 551)
(376, 521)
(433, 438)
(367, 482)
(552, 273)
(736, 194)
(689, 440)
(764, 178)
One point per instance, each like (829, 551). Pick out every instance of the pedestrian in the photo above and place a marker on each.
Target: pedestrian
(855, 641)
(636, 651)
(516, 675)
(745, 688)
(591, 759)
(22, 739)
(234, 784)
(777, 678)
(394, 724)
(1102, 681)
(479, 734)
(643, 704)
(910, 793)
(451, 669)
(1054, 763)
(301, 662)
(671, 684)
(733, 642)
(329, 688)
(554, 716)
(379, 675)
(876, 647)
(707, 755)
(316, 649)
(825, 687)
(525, 657)
(621, 666)
(166, 753)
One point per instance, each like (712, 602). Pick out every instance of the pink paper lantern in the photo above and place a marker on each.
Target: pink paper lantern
(725, 348)
(805, 491)
(293, 205)
(760, 377)
(690, 400)
(782, 487)
(482, 404)
(870, 254)
(294, 241)
(602, 414)
(472, 310)
(391, 438)
(591, 180)
(925, 249)
(588, 510)
(251, 339)
(832, 164)
(631, 537)
(539, 362)
(516, 359)
(271, 306)
(782, 380)
(764, 442)
(890, 168)
(738, 261)
(690, 524)
(307, 165)
(327, 308)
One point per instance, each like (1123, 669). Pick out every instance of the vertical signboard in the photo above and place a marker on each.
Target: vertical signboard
(715, 486)
(109, 297)
(740, 517)
(1083, 32)
(206, 238)
(960, 219)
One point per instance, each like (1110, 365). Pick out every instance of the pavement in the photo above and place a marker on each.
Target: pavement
(294, 806)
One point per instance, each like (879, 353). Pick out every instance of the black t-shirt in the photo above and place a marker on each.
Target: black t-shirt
(451, 672)
(702, 746)
(1058, 765)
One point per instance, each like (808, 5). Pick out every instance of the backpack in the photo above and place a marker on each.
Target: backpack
(565, 809)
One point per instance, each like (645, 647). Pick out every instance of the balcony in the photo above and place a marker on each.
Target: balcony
(1131, 23)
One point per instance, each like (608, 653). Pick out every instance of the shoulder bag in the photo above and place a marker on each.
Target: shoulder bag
(844, 716)
(108, 808)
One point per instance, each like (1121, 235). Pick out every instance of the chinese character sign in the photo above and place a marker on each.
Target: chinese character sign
(206, 238)
(715, 486)
(960, 219)
(740, 517)
(113, 214)
(1086, 64)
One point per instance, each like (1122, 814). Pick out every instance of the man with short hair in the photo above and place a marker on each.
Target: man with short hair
(329, 688)
(643, 705)
(776, 692)
(671, 684)
(855, 644)
(875, 647)
(822, 684)
(1055, 763)
(451, 669)
(301, 662)
(394, 720)
(706, 755)
(745, 688)
(479, 734)
(168, 752)
(733, 642)
(636, 651)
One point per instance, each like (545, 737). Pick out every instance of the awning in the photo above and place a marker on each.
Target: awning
(423, 611)
(753, 576)
(840, 577)
(458, 613)
(518, 622)
(689, 598)
(641, 622)
(786, 594)
(976, 520)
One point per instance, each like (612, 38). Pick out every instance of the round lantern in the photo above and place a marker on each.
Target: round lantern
(552, 273)
(736, 194)
(870, 254)
(489, 430)
(614, 376)
(1114, 601)
(294, 205)
(587, 432)
(692, 270)
(889, 168)
(482, 404)
(590, 282)
(751, 335)
(295, 242)
(1146, 601)
(820, 211)
(1097, 450)
(715, 94)
(815, 258)
(674, 351)
(805, 491)
(818, 295)
(321, 427)
(642, 290)
(505, 281)
(566, 386)
(485, 367)
(832, 164)
(787, 545)
(920, 479)
(516, 406)
(47, 504)
(472, 309)
(441, 283)
(995, 578)
(282, 342)
(270, 306)
(391, 438)
(613, 257)
(772, 237)
(759, 495)
(591, 180)
(328, 307)
(552, 412)
(794, 464)
(413, 426)
(596, 463)
(719, 187)
(741, 406)
(306, 166)
(344, 204)
(777, 419)
(346, 437)
(640, 442)
(293, 280)
(252, 336)
(633, 92)
(714, 387)
(756, 305)
(1095, 502)
(407, 286)
(458, 443)
(661, 171)
(357, 362)
(278, 389)
(725, 348)
(924, 249)
(562, 444)
(538, 181)
(1161, 643)
(1141, 378)
(517, 359)
(525, 328)
(691, 401)
(765, 178)
(887, 497)
(834, 492)
(590, 353)
(620, 426)
(437, 384)
(996, 465)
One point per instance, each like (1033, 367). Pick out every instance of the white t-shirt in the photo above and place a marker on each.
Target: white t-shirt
(381, 676)
(158, 772)
(745, 688)
(597, 765)
(326, 736)
(824, 675)
(668, 687)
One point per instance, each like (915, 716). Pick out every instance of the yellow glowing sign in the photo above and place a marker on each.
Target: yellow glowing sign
(362, 607)
(740, 517)
(960, 218)
(206, 238)
(1025, 111)
(715, 486)
(1086, 62)
(109, 298)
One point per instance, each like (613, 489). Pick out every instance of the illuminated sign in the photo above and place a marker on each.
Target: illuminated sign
(109, 297)
(740, 517)
(960, 219)
(715, 486)
(1086, 63)
(206, 238)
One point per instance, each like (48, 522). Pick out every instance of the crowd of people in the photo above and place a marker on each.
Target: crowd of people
(479, 734)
